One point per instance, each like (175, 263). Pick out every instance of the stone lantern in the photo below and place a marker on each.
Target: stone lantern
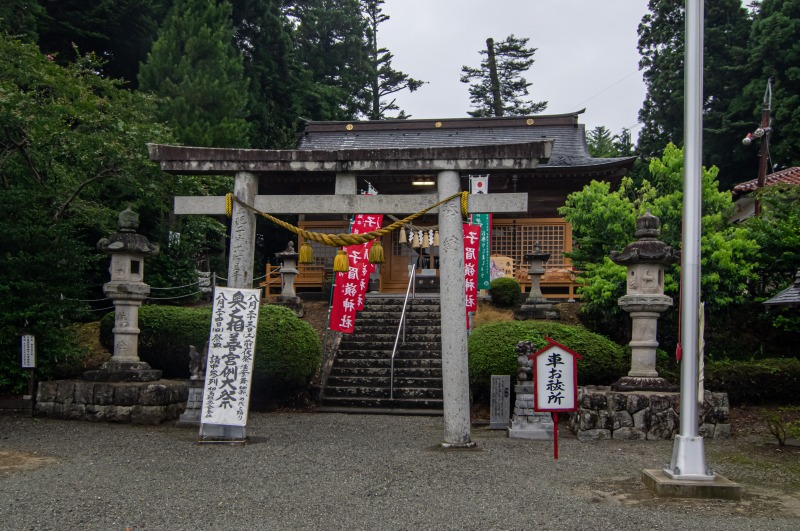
(646, 260)
(127, 291)
(536, 306)
(288, 259)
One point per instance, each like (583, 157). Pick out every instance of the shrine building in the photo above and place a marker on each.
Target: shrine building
(568, 169)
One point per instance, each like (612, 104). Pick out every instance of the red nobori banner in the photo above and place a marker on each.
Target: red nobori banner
(472, 242)
(351, 287)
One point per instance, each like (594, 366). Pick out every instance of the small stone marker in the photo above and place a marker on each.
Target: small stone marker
(500, 403)
(555, 382)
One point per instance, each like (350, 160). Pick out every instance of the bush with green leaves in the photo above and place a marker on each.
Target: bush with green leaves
(288, 350)
(505, 292)
(770, 380)
(492, 351)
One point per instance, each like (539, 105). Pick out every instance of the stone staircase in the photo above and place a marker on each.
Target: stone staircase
(359, 378)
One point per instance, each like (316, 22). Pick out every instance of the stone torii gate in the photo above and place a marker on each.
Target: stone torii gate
(248, 165)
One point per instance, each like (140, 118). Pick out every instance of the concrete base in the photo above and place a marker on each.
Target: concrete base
(458, 446)
(540, 431)
(718, 488)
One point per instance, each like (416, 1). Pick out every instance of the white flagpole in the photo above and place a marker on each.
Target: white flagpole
(688, 452)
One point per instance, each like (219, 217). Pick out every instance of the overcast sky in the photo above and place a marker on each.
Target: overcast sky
(586, 53)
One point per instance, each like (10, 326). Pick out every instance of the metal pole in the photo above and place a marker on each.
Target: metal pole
(688, 453)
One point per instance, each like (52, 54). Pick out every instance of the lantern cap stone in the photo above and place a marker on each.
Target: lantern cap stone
(128, 220)
(127, 240)
(648, 249)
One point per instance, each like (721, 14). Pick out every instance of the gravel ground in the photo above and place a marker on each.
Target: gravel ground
(334, 471)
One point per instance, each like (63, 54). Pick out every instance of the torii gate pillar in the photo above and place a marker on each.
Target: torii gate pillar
(243, 232)
(455, 370)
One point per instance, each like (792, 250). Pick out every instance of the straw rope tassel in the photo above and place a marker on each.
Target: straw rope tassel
(306, 254)
(341, 264)
(376, 255)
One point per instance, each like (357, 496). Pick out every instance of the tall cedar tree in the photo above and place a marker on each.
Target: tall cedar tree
(263, 36)
(198, 75)
(661, 46)
(119, 32)
(773, 52)
(333, 56)
(384, 80)
(497, 86)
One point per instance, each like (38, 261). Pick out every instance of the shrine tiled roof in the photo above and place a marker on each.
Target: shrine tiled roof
(787, 176)
(569, 147)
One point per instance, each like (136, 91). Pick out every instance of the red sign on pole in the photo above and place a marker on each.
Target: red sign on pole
(472, 243)
(555, 382)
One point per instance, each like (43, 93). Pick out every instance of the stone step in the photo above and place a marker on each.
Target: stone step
(397, 309)
(389, 339)
(403, 363)
(377, 354)
(409, 346)
(382, 392)
(379, 327)
(384, 372)
(364, 381)
(363, 404)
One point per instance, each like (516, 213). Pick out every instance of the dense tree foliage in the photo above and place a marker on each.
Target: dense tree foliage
(497, 86)
(72, 151)
(20, 18)
(604, 220)
(773, 53)
(661, 45)
(198, 75)
(119, 32)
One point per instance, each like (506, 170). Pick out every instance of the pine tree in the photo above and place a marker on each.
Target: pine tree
(600, 142)
(497, 86)
(384, 80)
(198, 74)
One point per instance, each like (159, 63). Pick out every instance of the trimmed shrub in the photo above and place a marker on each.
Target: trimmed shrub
(288, 351)
(505, 292)
(492, 351)
(771, 380)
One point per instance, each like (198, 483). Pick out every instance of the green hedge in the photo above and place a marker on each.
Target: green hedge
(505, 292)
(288, 351)
(771, 380)
(492, 351)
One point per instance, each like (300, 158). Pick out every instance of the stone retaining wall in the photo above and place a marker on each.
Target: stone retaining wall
(134, 402)
(606, 414)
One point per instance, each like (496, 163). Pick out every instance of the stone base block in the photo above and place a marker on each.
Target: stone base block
(644, 415)
(125, 402)
(718, 488)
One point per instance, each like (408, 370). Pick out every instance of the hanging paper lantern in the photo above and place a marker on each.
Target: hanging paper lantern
(341, 264)
(306, 254)
(436, 238)
(376, 253)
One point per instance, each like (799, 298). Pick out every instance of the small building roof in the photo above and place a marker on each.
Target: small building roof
(788, 297)
(787, 176)
(570, 152)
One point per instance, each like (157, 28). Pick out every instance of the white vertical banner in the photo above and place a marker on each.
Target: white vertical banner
(231, 348)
